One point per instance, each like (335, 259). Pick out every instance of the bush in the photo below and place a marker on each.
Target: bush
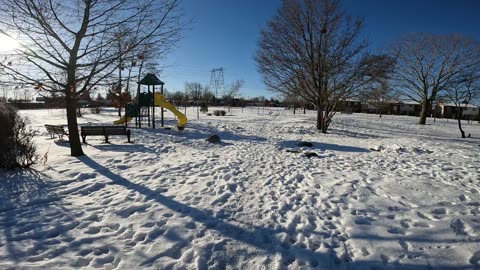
(204, 108)
(219, 113)
(95, 107)
(81, 111)
(16, 140)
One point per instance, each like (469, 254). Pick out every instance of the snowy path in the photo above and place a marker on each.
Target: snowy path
(173, 201)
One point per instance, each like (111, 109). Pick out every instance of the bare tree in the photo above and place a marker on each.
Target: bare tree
(195, 91)
(134, 63)
(232, 90)
(377, 97)
(71, 46)
(314, 49)
(177, 97)
(427, 64)
(377, 92)
(295, 101)
(462, 91)
(5, 88)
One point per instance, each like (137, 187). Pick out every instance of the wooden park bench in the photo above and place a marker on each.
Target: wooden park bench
(105, 131)
(56, 130)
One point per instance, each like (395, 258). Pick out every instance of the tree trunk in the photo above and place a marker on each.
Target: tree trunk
(459, 119)
(74, 139)
(319, 117)
(325, 121)
(322, 124)
(423, 114)
(324, 128)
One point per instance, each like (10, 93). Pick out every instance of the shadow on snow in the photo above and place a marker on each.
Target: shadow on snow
(324, 146)
(262, 238)
(32, 213)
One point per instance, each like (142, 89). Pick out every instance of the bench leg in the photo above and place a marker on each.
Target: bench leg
(84, 139)
(128, 137)
(106, 139)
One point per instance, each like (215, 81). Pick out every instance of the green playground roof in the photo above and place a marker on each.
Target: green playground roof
(150, 79)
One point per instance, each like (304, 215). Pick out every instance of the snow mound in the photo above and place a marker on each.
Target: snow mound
(397, 148)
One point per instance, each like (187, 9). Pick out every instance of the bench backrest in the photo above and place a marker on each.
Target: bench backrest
(115, 130)
(55, 129)
(104, 130)
(58, 129)
(49, 128)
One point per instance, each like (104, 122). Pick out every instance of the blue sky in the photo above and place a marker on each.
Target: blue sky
(224, 33)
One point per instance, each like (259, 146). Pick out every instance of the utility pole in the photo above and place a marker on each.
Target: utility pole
(217, 82)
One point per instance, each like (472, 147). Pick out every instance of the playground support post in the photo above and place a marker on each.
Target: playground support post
(161, 108)
(148, 106)
(153, 107)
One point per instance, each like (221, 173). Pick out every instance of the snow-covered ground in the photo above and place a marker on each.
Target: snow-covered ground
(171, 200)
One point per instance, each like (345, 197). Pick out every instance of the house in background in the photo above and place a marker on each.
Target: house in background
(386, 107)
(449, 110)
(350, 106)
(411, 108)
(395, 107)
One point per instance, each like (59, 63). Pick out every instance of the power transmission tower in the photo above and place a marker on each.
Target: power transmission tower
(216, 80)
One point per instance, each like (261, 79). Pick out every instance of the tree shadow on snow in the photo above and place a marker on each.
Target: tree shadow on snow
(262, 238)
(31, 211)
(354, 134)
(23, 184)
(324, 146)
(62, 143)
(248, 236)
(128, 148)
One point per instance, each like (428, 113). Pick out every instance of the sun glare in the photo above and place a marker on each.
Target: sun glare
(7, 44)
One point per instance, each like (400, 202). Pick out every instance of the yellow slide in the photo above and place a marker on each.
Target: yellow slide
(160, 100)
(123, 120)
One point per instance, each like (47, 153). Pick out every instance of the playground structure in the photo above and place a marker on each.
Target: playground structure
(144, 107)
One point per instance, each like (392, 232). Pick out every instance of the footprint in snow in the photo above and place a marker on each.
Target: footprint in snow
(405, 223)
(475, 259)
(460, 227)
(84, 176)
(394, 208)
(439, 211)
(397, 230)
(424, 216)
(363, 220)
(421, 224)
(391, 216)
(81, 262)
